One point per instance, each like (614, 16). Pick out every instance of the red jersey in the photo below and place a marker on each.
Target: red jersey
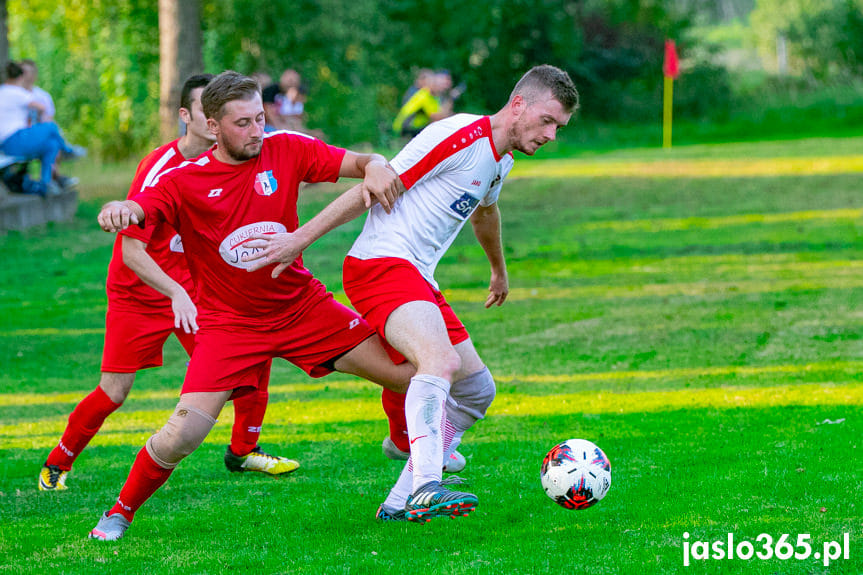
(125, 289)
(217, 207)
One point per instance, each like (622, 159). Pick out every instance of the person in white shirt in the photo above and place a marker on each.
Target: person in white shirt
(18, 138)
(450, 173)
(31, 74)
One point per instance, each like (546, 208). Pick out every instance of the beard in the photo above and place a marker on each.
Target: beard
(243, 153)
(515, 135)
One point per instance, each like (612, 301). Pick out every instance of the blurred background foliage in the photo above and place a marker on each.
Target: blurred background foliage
(750, 68)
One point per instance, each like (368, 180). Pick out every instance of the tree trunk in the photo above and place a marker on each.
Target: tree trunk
(4, 38)
(180, 56)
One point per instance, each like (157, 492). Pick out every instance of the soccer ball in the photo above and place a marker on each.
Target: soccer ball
(576, 474)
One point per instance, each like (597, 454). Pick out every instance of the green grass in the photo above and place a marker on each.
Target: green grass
(701, 324)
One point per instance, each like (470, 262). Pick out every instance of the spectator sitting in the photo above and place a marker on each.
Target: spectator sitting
(31, 74)
(41, 141)
(284, 103)
(425, 106)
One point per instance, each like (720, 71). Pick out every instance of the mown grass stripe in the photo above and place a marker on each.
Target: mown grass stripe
(51, 331)
(129, 427)
(707, 223)
(23, 399)
(696, 168)
(701, 288)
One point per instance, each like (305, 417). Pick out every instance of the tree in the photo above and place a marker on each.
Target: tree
(4, 36)
(822, 37)
(180, 56)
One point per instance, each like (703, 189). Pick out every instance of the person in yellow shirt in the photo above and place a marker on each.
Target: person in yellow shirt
(424, 106)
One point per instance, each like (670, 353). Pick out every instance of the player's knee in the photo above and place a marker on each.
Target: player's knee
(449, 363)
(472, 397)
(182, 434)
(117, 385)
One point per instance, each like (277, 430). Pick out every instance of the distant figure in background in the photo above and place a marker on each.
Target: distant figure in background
(448, 94)
(41, 141)
(423, 77)
(31, 74)
(284, 103)
(428, 104)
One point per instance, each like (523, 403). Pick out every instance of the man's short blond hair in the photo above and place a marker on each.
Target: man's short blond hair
(540, 79)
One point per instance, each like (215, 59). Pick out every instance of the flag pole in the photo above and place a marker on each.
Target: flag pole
(667, 99)
(670, 71)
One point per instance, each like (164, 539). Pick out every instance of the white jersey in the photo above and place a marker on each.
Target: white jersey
(449, 169)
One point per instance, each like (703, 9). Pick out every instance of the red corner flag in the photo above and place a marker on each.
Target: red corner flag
(671, 66)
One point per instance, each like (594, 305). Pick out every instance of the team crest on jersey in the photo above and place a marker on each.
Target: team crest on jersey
(464, 205)
(232, 249)
(266, 184)
(176, 244)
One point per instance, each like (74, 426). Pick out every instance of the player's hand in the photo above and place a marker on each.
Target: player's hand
(185, 312)
(382, 184)
(498, 290)
(283, 248)
(116, 216)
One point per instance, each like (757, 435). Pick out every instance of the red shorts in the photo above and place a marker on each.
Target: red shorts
(377, 286)
(317, 332)
(134, 338)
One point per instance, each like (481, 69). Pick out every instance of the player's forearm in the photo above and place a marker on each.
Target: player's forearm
(486, 228)
(366, 161)
(345, 208)
(357, 165)
(137, 259)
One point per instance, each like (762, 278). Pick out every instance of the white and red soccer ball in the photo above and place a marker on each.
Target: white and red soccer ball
(576, 474)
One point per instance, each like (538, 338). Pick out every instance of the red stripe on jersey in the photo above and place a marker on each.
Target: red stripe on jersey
(459, 140)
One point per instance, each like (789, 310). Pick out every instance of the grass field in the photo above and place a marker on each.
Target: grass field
(696, 313)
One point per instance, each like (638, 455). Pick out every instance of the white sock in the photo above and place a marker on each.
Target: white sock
(425, 412)
(401, 491)
(403, 488)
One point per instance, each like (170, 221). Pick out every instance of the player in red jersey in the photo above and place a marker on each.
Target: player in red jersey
(450, 173)
(149, 297)
(244, 187)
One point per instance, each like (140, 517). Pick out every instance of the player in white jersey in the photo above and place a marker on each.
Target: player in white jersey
(450, 173)
(450, 170)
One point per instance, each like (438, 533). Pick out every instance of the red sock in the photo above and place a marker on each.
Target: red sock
(84, 422)
(249, 413)
(144, 479)
(394, 407)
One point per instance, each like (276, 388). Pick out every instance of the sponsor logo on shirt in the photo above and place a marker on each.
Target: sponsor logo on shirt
(215, 193)
(476, 183)
(464, 205)
(232, 249)
(176, 244)
(266, 184)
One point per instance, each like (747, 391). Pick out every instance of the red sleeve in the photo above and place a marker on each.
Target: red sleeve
(322, 161)
(146, 233)
(157, 161)
(160, 204)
